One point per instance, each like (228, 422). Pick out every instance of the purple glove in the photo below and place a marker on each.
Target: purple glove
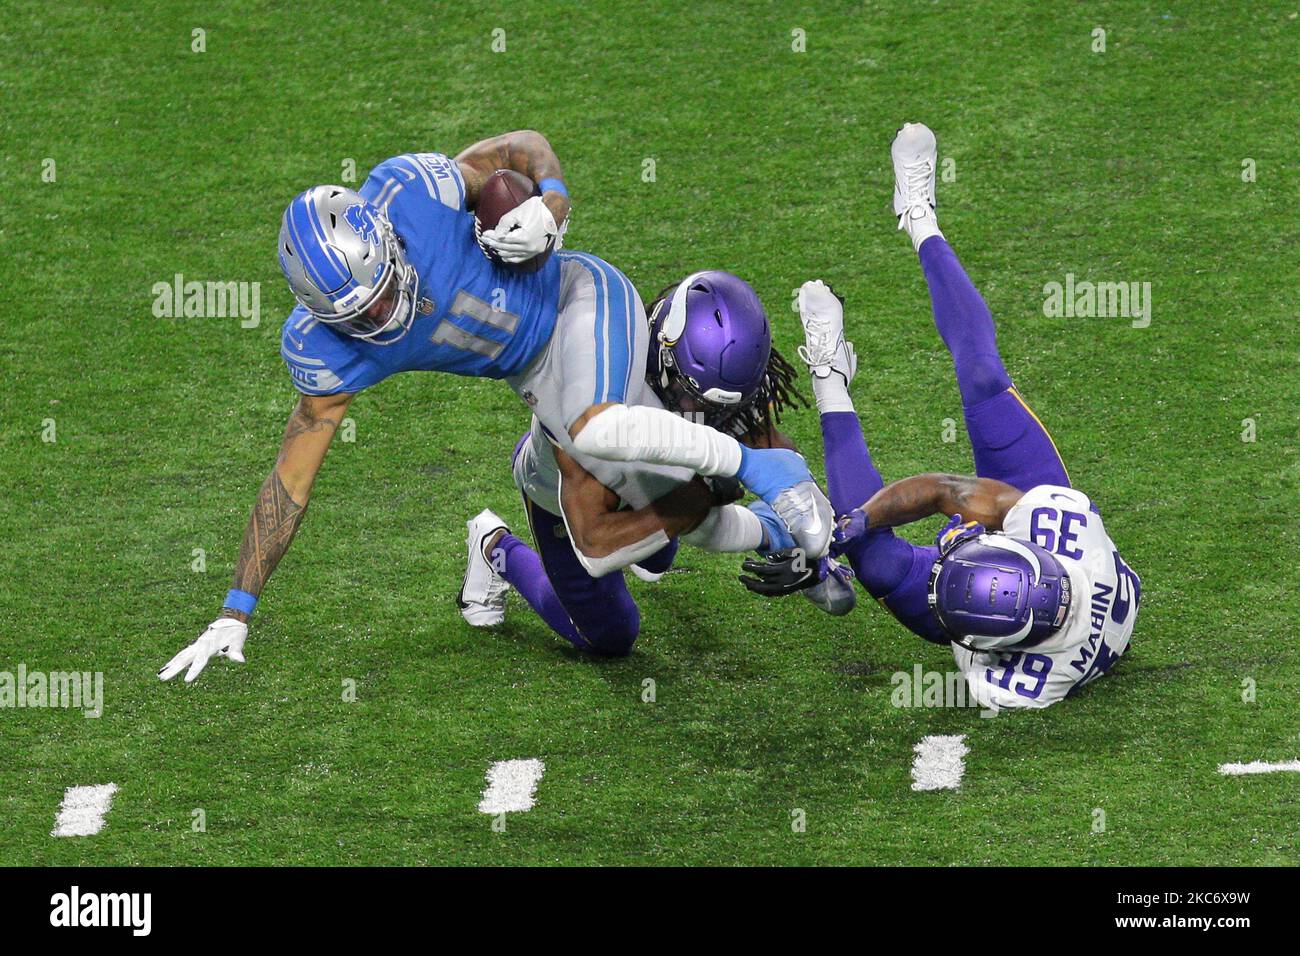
(955, 532)
(848, 529)
(828, 568)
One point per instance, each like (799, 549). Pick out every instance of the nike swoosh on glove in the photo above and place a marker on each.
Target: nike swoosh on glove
(781, 478)
(780, 574)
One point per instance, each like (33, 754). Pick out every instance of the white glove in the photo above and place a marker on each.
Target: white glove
(524, 232)
(224, 638)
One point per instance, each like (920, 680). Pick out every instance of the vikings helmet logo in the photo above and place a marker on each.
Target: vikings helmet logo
(362, 221)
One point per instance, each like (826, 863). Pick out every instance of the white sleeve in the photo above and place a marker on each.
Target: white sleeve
(620, 559)
(642, 433)
(729, 528)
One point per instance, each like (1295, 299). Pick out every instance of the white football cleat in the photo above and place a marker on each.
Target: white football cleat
(825, 349)
(915, 154)
(482, 598)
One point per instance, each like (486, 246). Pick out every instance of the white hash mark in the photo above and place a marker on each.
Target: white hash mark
(83, 809)
(1259, 766)
(512, 786)
(940, 762)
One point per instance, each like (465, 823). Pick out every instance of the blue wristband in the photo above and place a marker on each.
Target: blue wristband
(238, 600)
(553, 185)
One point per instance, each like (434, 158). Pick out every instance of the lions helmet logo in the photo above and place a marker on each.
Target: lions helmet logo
(362, 221)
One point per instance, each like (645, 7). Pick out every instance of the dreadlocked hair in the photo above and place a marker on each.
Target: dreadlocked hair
(777, 393)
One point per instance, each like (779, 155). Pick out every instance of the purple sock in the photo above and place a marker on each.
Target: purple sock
(851, 477)
(879, 559)
(964, 322)
(524, 571)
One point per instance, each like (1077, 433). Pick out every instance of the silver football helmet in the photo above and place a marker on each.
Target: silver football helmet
(346, 265)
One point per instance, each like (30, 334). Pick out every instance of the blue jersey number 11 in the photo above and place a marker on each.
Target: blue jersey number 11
(472, 307)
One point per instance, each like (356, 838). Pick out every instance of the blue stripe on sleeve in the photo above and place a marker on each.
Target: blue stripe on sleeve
(620, 333)
(614, 327)
(601, 325)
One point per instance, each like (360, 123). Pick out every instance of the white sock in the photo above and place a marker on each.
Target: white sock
(832, 393)
(920, 223)
(729, 528)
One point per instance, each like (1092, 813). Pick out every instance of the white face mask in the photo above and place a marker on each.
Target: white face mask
(404, 279)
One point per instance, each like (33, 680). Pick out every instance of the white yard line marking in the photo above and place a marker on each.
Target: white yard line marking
(1259, 766)
(83, 809)
(940, 762)
(512, 786)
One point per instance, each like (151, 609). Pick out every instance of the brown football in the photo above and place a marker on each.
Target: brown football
(504, 190)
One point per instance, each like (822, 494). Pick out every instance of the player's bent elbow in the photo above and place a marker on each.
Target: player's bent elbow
(531, 139)
(602, 550)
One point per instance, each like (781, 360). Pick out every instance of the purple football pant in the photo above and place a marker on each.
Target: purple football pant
(1009, 443)
(593, 614)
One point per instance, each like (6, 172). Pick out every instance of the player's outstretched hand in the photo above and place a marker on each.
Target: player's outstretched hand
(524, 232)
(955, 532)
(786, 572)
(781, 478)
(224, 638)
(780, 574)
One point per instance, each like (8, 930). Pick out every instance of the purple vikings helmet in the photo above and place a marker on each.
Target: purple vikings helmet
(995, 593)
(346, 265)
(710, 346)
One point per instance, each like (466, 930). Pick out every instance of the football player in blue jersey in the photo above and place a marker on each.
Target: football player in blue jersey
(391, 278)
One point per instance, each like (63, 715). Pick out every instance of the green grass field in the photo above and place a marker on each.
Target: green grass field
(1123, 165)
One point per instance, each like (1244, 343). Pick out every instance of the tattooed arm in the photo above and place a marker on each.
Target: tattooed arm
(910, 499)
(525, 151)
(282, 502)
(272, 525)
